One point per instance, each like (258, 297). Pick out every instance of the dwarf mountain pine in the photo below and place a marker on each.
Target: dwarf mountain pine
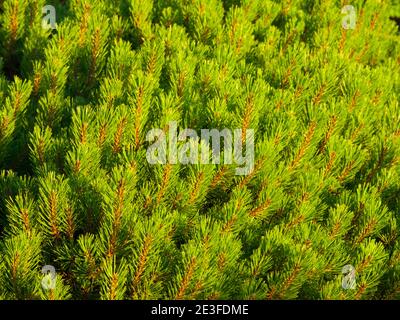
(315, 214)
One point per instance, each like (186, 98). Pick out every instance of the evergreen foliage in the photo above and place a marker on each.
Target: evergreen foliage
(77, 192)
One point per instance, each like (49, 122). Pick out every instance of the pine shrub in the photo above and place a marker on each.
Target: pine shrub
(77, 191)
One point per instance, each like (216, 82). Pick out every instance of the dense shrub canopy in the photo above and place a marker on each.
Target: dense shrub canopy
(77, 191)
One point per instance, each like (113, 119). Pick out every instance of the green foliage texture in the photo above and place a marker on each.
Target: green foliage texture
(77, 192)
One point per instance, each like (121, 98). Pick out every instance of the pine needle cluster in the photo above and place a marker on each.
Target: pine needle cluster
(76, 190)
